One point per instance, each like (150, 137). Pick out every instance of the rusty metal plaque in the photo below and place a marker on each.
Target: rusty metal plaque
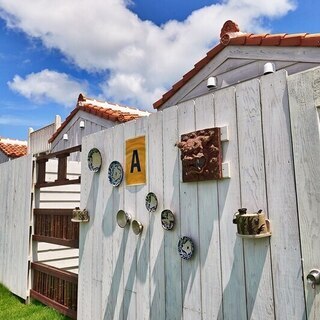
(201, 155)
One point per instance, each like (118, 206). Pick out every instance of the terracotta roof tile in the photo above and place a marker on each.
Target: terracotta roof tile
(231, 35)
(13, 150)
(105, 110)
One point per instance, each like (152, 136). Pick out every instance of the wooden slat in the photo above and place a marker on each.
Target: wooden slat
(53, 212)
(191, 287)
(58, 183)
(56, 272)
(62, 242)
(54, 304)
(304, 98)
(209, 232)
(59, 153)
(282, 205)
(253, 197)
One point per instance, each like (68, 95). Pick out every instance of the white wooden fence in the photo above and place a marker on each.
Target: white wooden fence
(124, 276)
(15, 215)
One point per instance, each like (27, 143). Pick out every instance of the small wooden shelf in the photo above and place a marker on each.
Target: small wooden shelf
(255, 236)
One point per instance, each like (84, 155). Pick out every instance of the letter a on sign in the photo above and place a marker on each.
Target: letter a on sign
(136, 161)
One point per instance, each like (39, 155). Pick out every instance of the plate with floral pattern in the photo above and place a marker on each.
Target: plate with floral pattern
(167, 219)
(185, 248)
(94, 160)
(151, 202)
(115, 173)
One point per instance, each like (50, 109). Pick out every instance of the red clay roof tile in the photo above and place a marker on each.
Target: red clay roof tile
(105, 110)
(13, 150)
(231, 35)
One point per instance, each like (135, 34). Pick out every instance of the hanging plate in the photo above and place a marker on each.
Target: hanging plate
(151, 202)
(94, 160)
(185, 248)
(115, 173)
(167, 219)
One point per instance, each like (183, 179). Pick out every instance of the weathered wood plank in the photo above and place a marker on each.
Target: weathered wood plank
(130, 256)
(191, 287)
(209, 233)
(231, 246)
(119, 236)
(304, 89)
(15, 202)
(143, 241)
(282, 206)
(260, 304)
(171, 181)
(156, 232)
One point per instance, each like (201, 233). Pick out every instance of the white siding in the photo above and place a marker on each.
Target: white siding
(75, 133)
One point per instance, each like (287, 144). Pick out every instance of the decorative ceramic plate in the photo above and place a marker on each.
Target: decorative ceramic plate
(123, 218)
(115, 173)
(94, 160)
(167, 219)
(185, 248)
(151, 202)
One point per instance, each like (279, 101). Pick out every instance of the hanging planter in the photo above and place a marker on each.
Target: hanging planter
(80, 215)
(251, 225)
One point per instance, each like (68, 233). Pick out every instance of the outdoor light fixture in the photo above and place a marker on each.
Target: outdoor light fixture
(65, 136)
(212, 83)
(269, 67)
(313, 277)
(81, 124)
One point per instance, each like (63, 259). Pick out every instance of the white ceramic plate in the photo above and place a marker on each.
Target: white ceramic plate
(167, 219)
(115, 173)
(94, 160)
(185, 248)
(151, 202)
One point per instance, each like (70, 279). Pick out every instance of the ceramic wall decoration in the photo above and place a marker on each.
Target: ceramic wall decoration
(167, 219)
(185, 248)
(137, 227)
(94, 160)
(123, 218)
(115, 173)
(201, 155)
(80, 215)
(251, 225)
(151, 202)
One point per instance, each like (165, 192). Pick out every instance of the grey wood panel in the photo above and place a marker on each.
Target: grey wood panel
(304, 89)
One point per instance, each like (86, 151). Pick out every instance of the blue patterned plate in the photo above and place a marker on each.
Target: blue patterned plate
(151, 202)
(115, 173)
(94, 160)
(185, 248)
(167, 219)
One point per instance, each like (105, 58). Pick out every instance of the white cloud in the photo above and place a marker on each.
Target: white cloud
(48, 85)
(17, 121)
(105, 35)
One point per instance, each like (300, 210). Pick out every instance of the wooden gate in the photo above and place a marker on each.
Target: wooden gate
(304, 98)
(51, 285)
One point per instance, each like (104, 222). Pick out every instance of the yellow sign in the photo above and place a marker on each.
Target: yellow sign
(136, 161)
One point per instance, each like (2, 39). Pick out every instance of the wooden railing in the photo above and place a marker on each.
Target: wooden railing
(55, 226)
(55, 288)
(62, 168)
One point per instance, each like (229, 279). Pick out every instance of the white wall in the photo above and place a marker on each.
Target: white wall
(15, 215)
(124, 276)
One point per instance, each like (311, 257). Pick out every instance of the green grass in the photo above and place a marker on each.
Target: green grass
(14, 308)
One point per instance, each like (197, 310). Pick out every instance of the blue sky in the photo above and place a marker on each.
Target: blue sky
(122, 51)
